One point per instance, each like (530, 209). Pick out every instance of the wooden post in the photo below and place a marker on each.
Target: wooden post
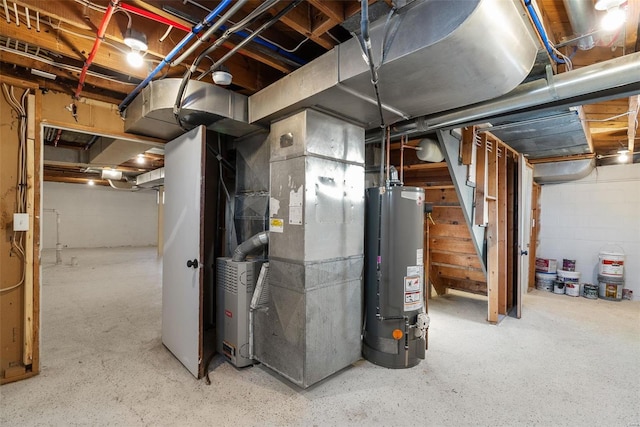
(481, 183)
(27, 355)
(502, 229)
(493, 264)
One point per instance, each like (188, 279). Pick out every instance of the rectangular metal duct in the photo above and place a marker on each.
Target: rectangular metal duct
(559, 133)
(150, 179)
(220, 110)
(311, 328)
(439, 53)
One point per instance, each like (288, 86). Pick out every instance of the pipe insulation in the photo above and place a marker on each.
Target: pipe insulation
(611, 79)
(252, 244)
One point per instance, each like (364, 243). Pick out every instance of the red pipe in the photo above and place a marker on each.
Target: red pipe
(154, 17)
(100, 36)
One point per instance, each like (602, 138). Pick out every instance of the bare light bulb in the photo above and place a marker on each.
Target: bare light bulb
(140, 159)
(613, 19)
(134, 58)
(623, 156)
(90, 182)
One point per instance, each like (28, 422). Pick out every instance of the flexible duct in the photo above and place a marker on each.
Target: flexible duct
(251, 244)
(611, 79)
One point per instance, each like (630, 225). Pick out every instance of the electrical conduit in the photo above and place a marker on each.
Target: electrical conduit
(99, 37)
(167, 60)
(541, 31)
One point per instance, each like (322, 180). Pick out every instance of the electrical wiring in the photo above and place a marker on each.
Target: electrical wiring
(84, 36)
(617, 116)
(17, 242)
(92, 6)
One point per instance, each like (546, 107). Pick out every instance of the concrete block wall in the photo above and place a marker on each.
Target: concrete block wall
(579, 219)
(98, 216)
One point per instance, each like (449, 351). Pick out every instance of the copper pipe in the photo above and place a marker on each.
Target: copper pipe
(402, 143)
(388, 154)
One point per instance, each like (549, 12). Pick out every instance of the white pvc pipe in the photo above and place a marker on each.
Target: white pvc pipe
(58, 244)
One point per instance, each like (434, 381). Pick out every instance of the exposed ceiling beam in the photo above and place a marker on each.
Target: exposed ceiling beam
(74, 180)
(76, 15)
(299, 19)
(632, 28)
(16, 58)
(63, 86)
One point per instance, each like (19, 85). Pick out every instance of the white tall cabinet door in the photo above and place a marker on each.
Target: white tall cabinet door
(182, 273)
(525, 189)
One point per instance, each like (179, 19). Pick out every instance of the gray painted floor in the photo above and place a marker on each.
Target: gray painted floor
(568, 361)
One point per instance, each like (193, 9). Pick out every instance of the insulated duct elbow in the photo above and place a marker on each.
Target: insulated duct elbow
(253, 243)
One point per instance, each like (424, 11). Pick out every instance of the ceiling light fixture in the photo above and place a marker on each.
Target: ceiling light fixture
(140, 159)
(222, 76)
(616, 14)
(137, 41)
(90, 182)
(623, 156)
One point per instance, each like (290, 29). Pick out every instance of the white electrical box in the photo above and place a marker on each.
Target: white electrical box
(20, 222)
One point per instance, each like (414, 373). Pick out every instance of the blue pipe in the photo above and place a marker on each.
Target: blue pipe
(540, 28)
(273, 47)
(205, 22)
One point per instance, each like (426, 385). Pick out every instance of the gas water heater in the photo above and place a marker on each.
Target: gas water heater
(395, 314)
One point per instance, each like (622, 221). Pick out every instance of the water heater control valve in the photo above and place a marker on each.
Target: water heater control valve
(422, 323)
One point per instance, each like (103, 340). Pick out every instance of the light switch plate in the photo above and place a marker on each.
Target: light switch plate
(20, 222)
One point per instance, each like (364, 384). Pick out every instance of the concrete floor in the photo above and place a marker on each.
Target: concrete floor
(568, 361)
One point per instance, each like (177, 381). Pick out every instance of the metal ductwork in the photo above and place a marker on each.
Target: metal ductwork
(151, 179)
(220, 110)
(582, 17)
(557, 172)
(613, 79)
(436, 53)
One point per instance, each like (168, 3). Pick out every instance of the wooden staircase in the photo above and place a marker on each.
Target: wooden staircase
(451, 258)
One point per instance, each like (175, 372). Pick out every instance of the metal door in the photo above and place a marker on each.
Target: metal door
(525, 188)
(182, 274)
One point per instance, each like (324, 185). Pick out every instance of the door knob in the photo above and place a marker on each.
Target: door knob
(193, 263)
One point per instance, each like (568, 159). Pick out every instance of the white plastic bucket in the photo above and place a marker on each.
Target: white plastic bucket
(611, 264)
(572, 289)
(569, 276)
(544, 281)
(546, 265)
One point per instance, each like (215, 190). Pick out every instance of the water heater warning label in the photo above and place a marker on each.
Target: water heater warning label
(412, 293)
